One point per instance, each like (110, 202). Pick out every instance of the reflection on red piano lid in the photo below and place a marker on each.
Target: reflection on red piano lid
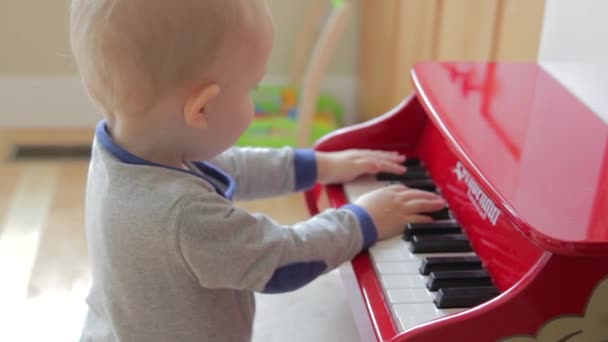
(543, 153)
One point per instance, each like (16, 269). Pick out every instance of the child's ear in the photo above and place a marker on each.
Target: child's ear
(194, 109)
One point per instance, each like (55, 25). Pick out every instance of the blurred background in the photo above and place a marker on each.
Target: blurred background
(35, 61)
(46, 125)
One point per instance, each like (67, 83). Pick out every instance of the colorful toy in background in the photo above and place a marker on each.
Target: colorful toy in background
(277, 120)
(276, 111)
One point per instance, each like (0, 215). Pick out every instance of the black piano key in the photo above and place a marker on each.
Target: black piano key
(440, 227)
(445, 279)
(416, 172)
(411, 162)
(440, 243)
(389, 177)
(464, 297)
(459, 263)
(443, 214)
(413, 172)
(421, 184)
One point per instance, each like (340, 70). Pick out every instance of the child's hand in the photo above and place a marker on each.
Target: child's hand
(345, 166)
(394, 206)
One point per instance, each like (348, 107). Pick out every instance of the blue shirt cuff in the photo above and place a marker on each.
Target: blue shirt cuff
(306, 169)
(368, 228)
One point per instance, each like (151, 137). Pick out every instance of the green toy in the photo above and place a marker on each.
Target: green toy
(275, 120)
(277, 107)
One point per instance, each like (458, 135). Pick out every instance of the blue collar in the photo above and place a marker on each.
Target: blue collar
(210, 173)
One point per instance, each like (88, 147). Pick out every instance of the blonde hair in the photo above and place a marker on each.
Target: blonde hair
(130, 52)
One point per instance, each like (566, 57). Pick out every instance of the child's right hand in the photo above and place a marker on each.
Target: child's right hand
(392, 207)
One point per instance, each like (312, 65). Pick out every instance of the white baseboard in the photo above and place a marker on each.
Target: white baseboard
(60, 101)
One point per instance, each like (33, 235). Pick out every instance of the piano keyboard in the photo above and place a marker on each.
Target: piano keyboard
(430, 271)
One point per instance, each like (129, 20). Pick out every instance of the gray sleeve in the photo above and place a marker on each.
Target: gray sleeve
(225, 247)
(265, 172)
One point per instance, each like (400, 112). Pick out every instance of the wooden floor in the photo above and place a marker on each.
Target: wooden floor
(43, 255)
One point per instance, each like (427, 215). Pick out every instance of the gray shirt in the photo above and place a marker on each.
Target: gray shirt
(172, 257)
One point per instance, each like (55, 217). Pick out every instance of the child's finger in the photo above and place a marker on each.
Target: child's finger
(423, 205)
(412, 194)
(419, 219)
(395, 188)
(377, 165)
(386, 155)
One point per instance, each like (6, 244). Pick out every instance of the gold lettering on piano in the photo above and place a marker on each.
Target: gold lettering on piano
(482, 203)
(592, 326)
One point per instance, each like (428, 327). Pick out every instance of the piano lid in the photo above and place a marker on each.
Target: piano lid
(539, 152)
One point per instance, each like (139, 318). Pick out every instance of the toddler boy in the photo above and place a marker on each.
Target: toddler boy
(172, 258)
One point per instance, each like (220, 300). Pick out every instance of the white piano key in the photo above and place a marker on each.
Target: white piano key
(398, 267)
(410, 315)
(361, 186)
(412, 295)
(403, 281)
(394, 249)
(393, 242)
(397, 249)
(418, 257)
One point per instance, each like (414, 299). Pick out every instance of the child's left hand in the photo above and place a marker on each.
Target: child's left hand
(345, 166)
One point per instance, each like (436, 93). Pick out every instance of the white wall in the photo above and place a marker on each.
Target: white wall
(574, 49)
(39, 86)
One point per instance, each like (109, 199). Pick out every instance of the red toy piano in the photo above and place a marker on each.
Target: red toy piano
(521, 253)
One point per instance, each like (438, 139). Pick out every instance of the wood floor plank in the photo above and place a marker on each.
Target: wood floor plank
(9, 174)
(4, 152)
(62, 262)
(21, 228)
